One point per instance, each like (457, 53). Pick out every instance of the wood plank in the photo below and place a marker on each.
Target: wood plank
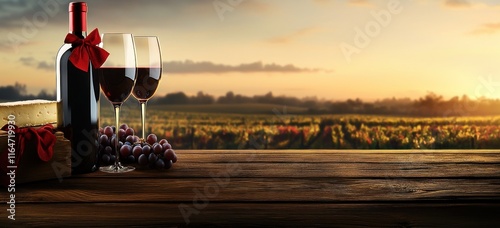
(278, 188)
(313, 170)
(310, 165)
(345, 151)
(256, 215)
(338, 158)
(259, 190)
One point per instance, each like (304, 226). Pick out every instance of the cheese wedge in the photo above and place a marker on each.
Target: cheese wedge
(29, 113)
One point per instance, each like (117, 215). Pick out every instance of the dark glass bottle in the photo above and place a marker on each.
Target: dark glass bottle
(78, 94)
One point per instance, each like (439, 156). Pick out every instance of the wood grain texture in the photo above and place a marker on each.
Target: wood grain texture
(135, 190)
(378, 158)
(278, 188)
(257, 215)
(312, 170)
(343, 151)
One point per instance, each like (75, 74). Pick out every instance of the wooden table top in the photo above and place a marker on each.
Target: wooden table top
(309, 188)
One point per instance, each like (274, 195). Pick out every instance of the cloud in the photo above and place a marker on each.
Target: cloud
(43, 65)
(488, 28)
(12, 11)
(192, 67)
(360, 2)
(32, 62)
(293, 36)
(22, 21)
(457, 4)
(27, 61)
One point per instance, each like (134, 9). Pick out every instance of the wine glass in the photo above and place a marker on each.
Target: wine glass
(117, 77)
(149, 67)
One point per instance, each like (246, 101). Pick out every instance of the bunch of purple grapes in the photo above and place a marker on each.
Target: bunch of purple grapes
(152, 153)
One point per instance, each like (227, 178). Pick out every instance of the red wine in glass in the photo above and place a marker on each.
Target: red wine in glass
(116, 83)
(147, 83)
(149, 66)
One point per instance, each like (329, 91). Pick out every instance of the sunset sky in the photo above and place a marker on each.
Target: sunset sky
(293, 48)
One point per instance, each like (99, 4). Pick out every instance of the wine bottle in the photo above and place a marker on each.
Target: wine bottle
(78, 96)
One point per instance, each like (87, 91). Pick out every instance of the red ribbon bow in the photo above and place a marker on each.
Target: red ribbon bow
(85, 49)
(43, 138)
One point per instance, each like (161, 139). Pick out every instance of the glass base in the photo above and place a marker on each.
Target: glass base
(116, 169)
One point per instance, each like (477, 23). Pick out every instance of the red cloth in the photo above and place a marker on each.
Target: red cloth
(85, 50)
(43, 138)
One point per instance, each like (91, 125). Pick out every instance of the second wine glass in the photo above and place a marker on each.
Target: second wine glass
(149, 69)
(117, 77)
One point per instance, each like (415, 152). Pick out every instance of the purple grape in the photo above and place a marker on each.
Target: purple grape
(152, 158)
(146, 149)
(166, 146)
(106, 158)
(129, 131)
(160, 164)
(131, 139)
(168, 164)
(157, 148)
(174, 160)
(125, 151)
(142, 160)
(112, 159)
(163, 141)
(121, 135)
(124, 126)
(131, 158)
(169, 154)
(108, 150)
(114, 129)
(151, 139)
(108, 131)
(103, 140)
(137, 151)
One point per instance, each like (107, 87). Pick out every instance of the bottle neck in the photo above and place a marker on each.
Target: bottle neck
(78, 23)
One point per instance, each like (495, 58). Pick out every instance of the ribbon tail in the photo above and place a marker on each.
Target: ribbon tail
(80, 58)
(45, 141)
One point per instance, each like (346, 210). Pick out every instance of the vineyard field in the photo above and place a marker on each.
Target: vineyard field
(281, 130)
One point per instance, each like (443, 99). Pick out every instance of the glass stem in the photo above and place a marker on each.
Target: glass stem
(143, 119)
(117, 121)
